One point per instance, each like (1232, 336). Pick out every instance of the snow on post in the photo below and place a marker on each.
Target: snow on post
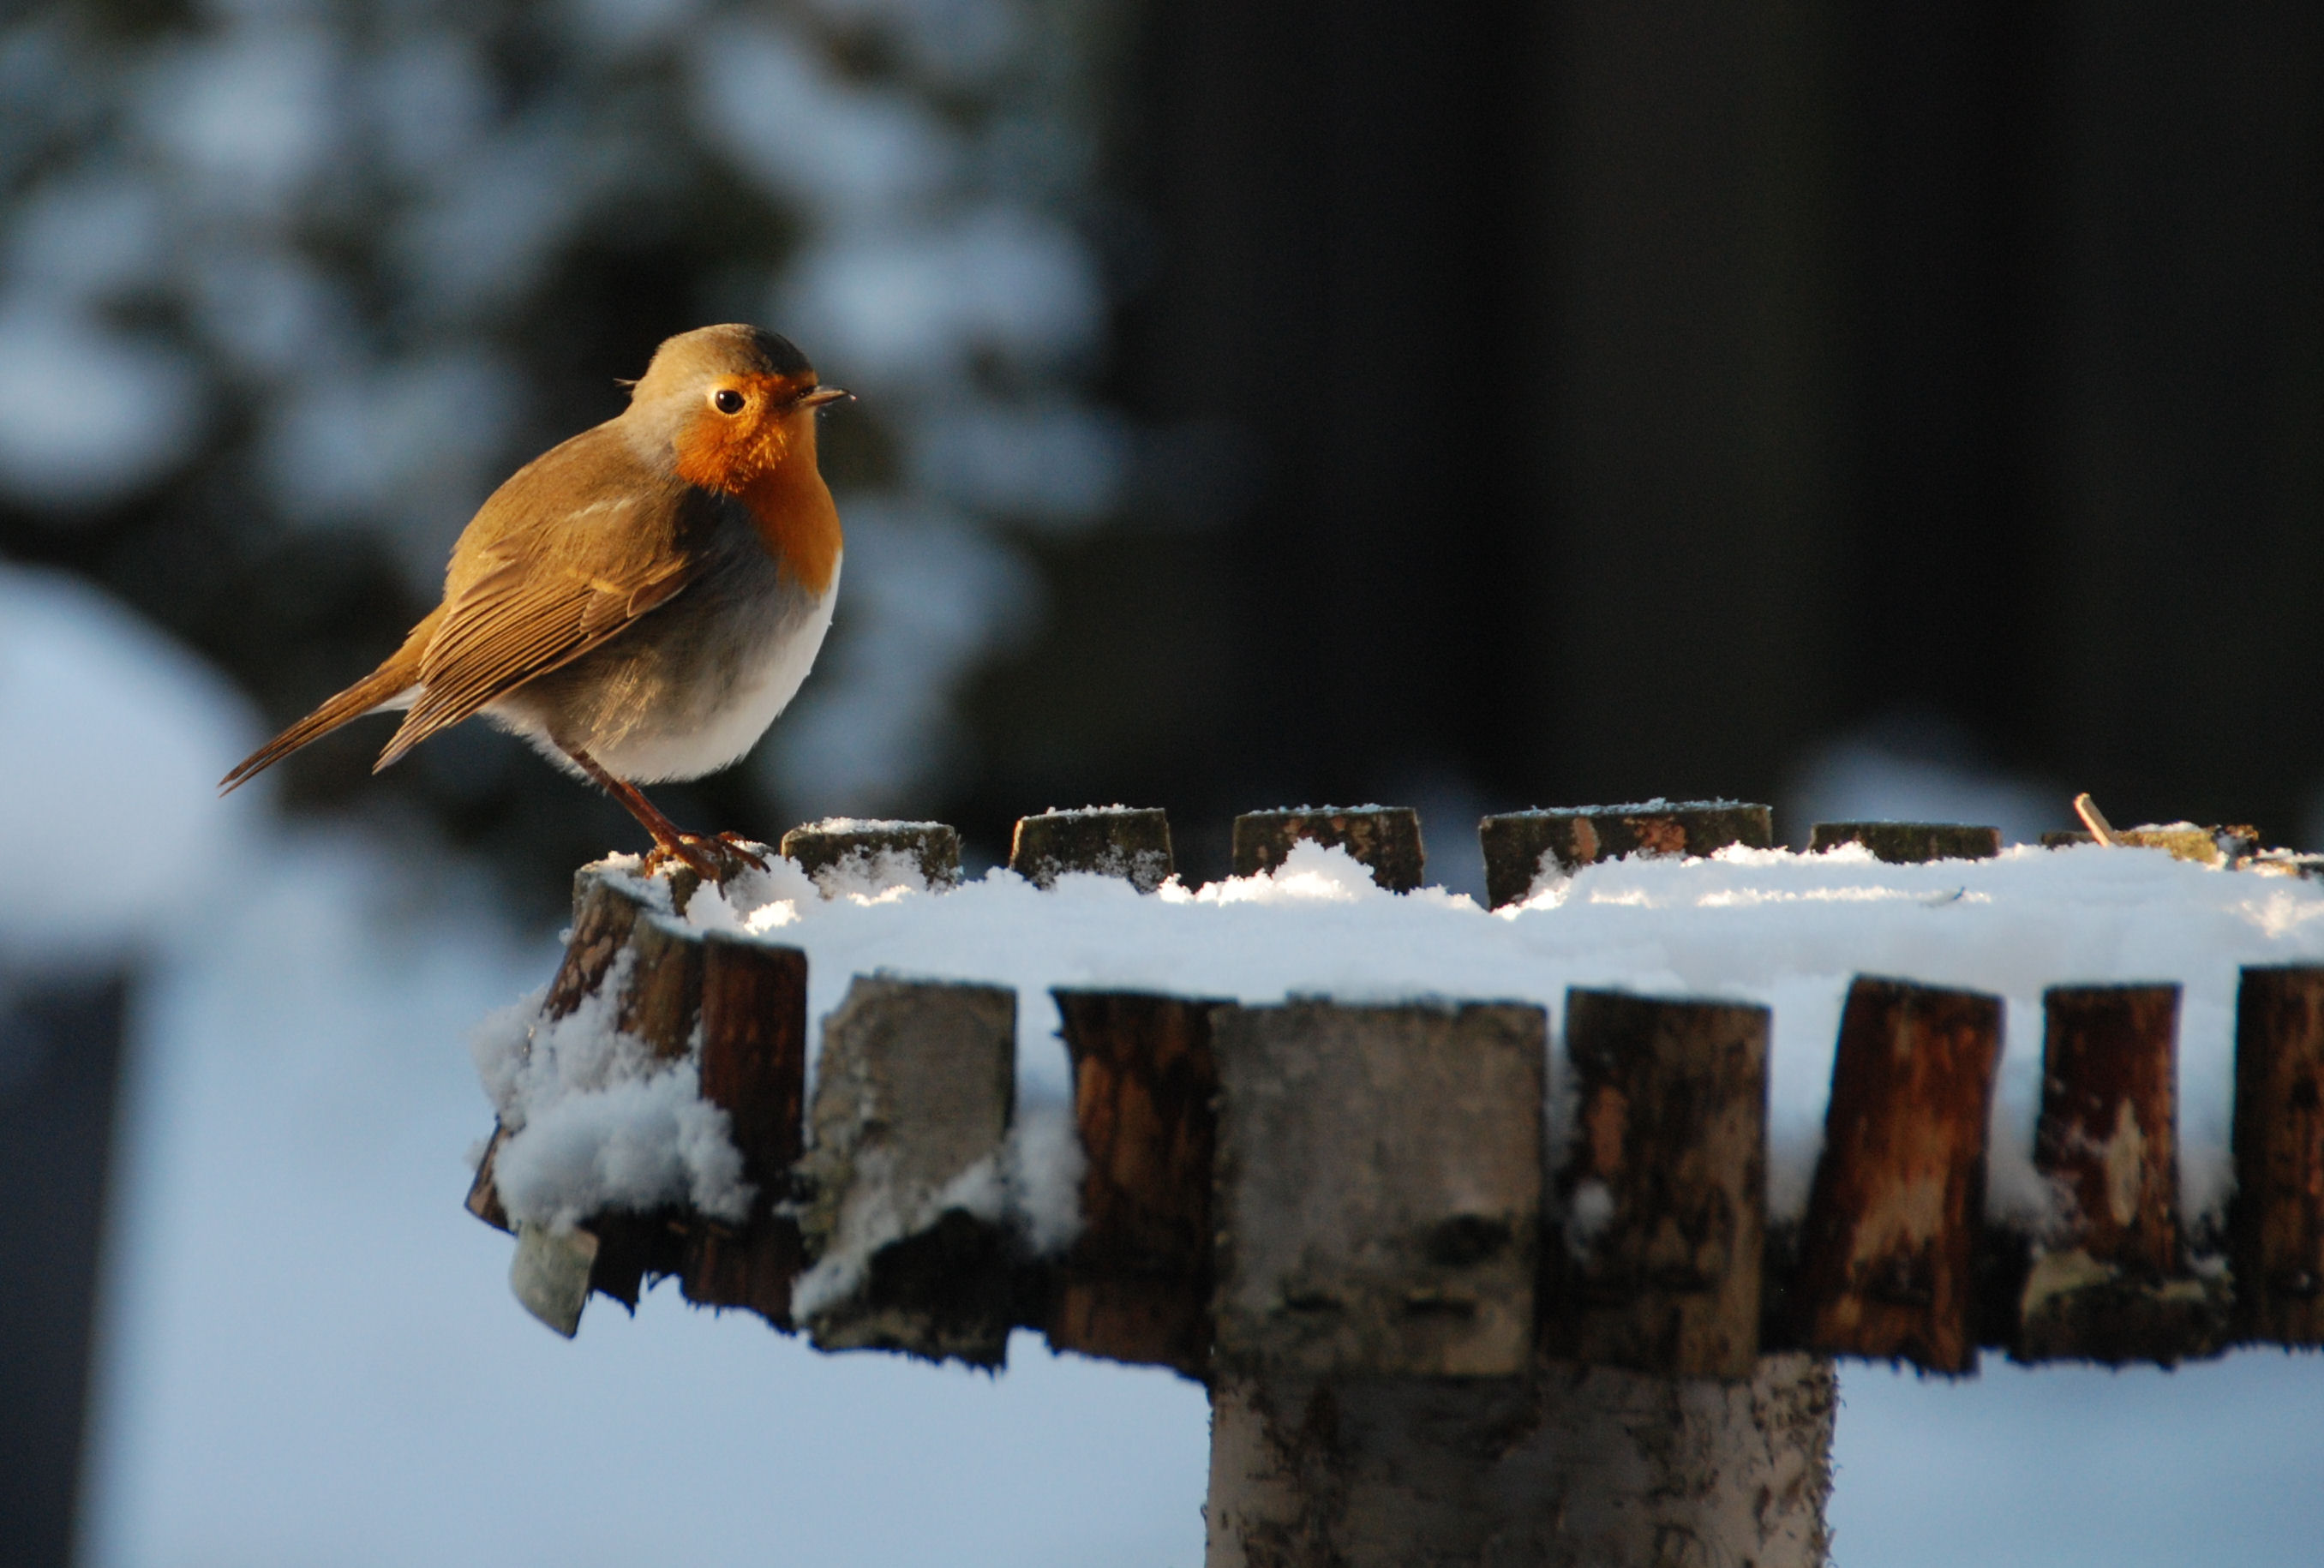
(1136, 1285)
(1384, 838)
(1111, 841)
(848, 853)
(649, 1114)
(1664, 1187)
(2278, 1216)
(1521, 847)
(1435, 1318)
(1887, 1251)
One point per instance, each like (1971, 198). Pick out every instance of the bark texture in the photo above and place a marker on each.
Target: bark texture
(753, 1067)
(912, 1105)
(2278, 1218)
(1136, 1285)
(1379, 1187)
(1571, 1467)
(2110, 1285)
(1887, 1250)
(1663, 1193)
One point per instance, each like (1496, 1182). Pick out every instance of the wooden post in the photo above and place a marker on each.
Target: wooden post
(1889, 1248)
(2276, 1223)
(913, 1097)
(1910, 843)
(745, 1002)
(842, 847)
(1378, 1188)
(753, 1067)
(1665, 1188)
(1136, 1285)
(2109, 1285)
(1520, 845)
(659, 1000)
(1580, 1466)
(1113, 841)
(1385, 838)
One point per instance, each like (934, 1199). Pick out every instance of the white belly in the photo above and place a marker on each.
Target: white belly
(649, 755)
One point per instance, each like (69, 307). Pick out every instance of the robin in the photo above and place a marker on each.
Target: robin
(640, 601)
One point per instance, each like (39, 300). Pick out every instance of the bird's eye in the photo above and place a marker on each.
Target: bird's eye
(726, 400)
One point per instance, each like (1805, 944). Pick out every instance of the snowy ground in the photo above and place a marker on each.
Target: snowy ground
(312, 1358)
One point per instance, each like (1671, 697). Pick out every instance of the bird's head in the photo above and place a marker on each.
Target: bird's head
(729, 405)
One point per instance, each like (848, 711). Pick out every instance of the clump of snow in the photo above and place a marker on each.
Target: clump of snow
(1784, 930)
(867, 874)
(1041, 1175)
(596, 1122)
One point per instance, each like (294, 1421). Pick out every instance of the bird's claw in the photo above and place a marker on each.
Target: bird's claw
(714, 860)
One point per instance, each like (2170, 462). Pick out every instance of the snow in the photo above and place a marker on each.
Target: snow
(1786, 930)
(594, 1122)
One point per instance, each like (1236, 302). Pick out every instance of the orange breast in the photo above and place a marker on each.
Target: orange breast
(796, 520)
(769, 465)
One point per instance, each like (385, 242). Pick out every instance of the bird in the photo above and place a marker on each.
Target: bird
(640, 600)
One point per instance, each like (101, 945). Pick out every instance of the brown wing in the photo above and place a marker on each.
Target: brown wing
(569, 554)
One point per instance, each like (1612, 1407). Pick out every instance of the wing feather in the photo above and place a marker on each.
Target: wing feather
(592, 568)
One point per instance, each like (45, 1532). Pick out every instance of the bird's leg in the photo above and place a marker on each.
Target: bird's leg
(699, 854)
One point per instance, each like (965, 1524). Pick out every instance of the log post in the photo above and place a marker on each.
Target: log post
(1887, 1250)
(2276, 1223)
(1136, 1285)
(902, 1191)
(1369, 1404)
(1384, 838)
(1520, 846)
(1909, 842)
(2108, 1285)
(1582, 1465)
(656, 969)
(1377, 1188)
(753, 1067)
(1111, 841)
(1664, 1190)
(842, 849)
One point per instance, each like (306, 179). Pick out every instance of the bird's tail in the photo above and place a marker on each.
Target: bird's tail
(383, 686)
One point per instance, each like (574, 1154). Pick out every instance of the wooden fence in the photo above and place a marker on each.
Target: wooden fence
(1229, 1234)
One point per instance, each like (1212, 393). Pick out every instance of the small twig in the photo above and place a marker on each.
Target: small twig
(2093, 819)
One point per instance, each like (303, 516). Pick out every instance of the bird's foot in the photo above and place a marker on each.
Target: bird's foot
(713, 859)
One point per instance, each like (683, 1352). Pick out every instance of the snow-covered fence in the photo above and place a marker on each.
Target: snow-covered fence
(1327, 1209)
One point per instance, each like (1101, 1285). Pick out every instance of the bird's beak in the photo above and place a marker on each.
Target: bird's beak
(822, 395)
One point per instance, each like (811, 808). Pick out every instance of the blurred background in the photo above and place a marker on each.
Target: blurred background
(1880, 410)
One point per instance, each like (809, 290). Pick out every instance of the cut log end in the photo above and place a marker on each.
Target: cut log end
(1131, 843)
